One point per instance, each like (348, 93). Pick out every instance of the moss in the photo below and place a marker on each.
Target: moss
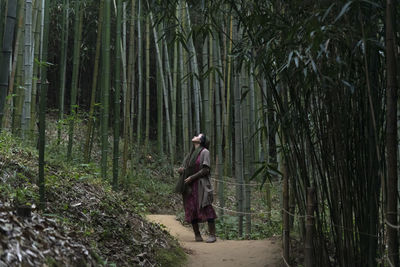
(171, 257)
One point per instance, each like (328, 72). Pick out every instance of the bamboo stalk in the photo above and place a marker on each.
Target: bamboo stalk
(10, 103)
(117, 95)
(285, 214)
(309, 257)
(75, 74)
(184, 83)
(206, 92)
(147, 81)
(63, 65)
(128, 98)
(195, 70)
(174, 88)
(6, 54)
(43, 96)
(163, 84)
(227, 106)
(34, 109)
(28, 70)
(94, 83)
(140, 75)
(219, 130)
(391, 133)
(106, 88)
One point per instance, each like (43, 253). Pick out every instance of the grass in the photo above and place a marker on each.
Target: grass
(174, 257)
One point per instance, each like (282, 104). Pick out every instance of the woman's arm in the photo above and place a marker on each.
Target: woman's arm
(201, 173)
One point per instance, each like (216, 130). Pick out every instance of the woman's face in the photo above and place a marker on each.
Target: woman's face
(196, 139)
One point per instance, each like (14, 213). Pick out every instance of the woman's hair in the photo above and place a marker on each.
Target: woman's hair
(204, 142)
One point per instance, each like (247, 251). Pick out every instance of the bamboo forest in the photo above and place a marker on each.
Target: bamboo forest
(199, 133)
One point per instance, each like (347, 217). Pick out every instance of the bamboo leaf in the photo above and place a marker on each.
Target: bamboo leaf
(257, 172)
(244, 94)
(314, 66)
(327, 12)
(343, 11)
(372, 3)
(296, 62)
(350, 86)
(289, 58)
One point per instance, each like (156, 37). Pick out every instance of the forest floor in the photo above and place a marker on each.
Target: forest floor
(263, 253)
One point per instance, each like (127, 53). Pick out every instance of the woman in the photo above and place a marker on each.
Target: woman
(195, 187)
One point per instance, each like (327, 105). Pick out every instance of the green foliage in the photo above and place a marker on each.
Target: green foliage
(17, 179)
(110, 217)
(172, 257)
(151, 183)
(24, 196)
(227, 228)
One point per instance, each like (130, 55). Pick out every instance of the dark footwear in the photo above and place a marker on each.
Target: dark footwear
(196, 230)
(211, 230)
(198, 238)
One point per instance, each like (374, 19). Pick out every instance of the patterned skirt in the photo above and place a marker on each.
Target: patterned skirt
(192, 210)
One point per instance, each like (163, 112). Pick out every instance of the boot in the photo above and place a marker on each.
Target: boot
(211, 230)
(196, 230)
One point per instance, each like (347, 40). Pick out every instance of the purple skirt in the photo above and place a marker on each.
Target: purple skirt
(192, 210)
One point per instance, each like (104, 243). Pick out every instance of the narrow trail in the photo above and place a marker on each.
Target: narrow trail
(223, 253)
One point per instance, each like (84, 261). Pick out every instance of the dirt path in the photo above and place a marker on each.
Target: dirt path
(229, 253)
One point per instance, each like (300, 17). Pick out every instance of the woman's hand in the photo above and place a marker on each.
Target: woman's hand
(188, 180)
(181, 170)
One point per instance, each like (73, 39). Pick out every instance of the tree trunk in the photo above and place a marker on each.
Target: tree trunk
(75, 75)
(43, 96)
(205, 122)
(10, 103)
(174, 88)
(285, 214)
(163, 84)
(28, 70)
(117, 96)
(19, 90)
(140, 75)
(160, 114)
(6, 54)
(63, 65)
(227, 106)
(219, 93)
(36, 33)
(391, 133)
(195, 70)
(247, 151)
(238, 140)
(211, 89)
(106, 87)
(309, 257)
(147, 81)
(94, 83)
(128, 96)
(184, 82)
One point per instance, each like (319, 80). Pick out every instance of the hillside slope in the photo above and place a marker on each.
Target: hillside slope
(84, 223)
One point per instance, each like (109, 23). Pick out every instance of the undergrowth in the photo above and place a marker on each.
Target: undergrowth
(79, 199)
(147, 188)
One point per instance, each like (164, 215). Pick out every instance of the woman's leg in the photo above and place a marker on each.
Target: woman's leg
(211, 229)
(196, 231)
